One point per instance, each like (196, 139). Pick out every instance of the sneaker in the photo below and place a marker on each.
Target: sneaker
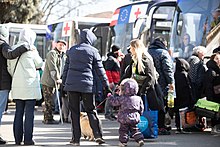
(110, 118)
(72, 141)
(6, 112)
(17, 143)
(113, 116)
(163, 131)
(65, 120)
(29, 143)
(52, 122)
(99, 140)
(179, 131)
(141, 143)
(168, 128)
(122, 144)
(2, 141)
(56, 112)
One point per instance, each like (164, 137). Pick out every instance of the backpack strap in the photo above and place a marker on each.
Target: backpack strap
(16, 64)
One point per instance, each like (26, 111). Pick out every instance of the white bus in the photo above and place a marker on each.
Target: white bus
(194, 18)
(40, 30)
(143, 19)
(69, 29)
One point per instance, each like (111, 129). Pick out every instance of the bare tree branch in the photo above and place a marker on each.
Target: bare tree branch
(74, 8)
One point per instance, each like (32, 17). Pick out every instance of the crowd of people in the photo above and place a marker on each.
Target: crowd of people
(125, 79)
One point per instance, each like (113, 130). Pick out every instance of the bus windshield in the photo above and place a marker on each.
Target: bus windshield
(144, 20)
(122, 35)
(191, 24)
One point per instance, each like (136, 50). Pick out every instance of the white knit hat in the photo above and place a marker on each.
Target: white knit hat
(4, 33)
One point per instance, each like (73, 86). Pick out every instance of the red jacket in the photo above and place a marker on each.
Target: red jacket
(112, 68)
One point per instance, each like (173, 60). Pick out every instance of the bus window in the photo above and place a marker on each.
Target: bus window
(194, 18)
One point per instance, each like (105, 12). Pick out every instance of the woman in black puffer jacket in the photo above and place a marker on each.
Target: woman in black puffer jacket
(212, 88)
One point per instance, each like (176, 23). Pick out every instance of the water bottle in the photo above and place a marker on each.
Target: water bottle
(170, 99)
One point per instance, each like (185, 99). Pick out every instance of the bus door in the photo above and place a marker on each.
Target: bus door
(102, 32)
(157, 22)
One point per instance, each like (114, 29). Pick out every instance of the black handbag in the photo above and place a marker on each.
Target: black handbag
(155, 97)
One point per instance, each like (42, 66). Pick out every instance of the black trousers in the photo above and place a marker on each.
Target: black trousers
(89, 107)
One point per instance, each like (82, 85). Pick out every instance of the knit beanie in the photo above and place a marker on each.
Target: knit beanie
(4, 33)
(216, 50)
(115, 48)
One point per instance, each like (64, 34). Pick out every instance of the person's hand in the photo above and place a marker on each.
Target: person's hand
(59, 81)
(106, 91)
(117, 89)
(171, 87)
(112, 85)
(108, 95)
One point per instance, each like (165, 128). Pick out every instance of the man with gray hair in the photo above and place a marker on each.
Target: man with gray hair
(5, 79)
(197, 71)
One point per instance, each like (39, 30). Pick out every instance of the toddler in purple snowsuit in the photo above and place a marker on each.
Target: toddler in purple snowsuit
(130, 109)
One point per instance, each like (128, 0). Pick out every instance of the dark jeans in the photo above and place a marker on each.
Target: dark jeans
(89, 107)
(177, 119)
(24, 107)
(161, 119)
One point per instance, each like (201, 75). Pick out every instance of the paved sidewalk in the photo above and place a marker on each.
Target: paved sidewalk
(56, 135)
(60, 135)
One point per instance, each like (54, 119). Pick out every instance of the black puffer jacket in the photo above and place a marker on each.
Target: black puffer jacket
(7, 53)
(212, 78)
(182, 85)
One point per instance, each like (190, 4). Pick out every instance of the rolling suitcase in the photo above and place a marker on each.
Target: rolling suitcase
(207, 108)
(188, 118)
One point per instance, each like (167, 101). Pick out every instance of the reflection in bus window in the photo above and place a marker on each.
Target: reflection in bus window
(195, 18)
(123, 36)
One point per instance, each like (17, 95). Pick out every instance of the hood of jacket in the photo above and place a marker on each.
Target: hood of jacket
(157, 44)
(87, 36)
(129, 87)
(26, 36)
(213, 65)
(182, 65)
(4, 33)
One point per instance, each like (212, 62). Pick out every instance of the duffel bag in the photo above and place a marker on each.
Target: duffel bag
(207, 108)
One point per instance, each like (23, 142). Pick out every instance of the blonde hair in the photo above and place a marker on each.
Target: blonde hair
(139, 51)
